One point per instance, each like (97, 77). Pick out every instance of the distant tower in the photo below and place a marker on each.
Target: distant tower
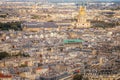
(82, 18)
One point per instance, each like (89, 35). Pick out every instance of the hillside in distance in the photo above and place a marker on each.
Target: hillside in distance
(56, 1)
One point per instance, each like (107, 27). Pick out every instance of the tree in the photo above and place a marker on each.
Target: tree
(23, 65)
(10, 25)
(102, 24)
(78, 77)
(85, 79)
(22, 55)
(3, 16)
(3, 55)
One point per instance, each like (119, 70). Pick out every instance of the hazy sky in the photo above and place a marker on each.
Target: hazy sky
(88, 0)
(84, 0)
(60, 0)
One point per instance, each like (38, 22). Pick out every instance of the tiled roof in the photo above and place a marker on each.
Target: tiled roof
(5, 76)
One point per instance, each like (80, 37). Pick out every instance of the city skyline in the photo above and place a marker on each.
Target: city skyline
(59, 40)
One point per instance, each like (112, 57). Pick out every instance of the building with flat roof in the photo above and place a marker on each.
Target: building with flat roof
(68, 41)
(38, 26)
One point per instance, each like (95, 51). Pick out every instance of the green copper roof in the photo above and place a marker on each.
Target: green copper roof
(66, 41)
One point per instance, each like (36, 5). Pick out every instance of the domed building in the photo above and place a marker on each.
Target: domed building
(82, 19)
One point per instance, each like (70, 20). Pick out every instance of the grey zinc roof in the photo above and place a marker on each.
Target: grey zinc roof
(40, 24)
